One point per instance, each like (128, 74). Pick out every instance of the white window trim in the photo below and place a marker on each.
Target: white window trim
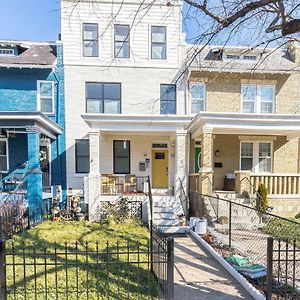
(257, 101)
(5, 54)
(39, 96)
(190, 96)
(81, 41)
(7, 155)
(255, 163)
(150, 44)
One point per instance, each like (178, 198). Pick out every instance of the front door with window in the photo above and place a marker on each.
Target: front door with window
(160, 163)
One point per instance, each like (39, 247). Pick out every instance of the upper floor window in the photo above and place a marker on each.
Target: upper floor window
(167, 99)
(7, 52)
(158, 42)
(3, 155)
(197, 96)
(90, 42)
(46, 96)
(122, 41)
(103, 98)
(82, 156)
(258, 98)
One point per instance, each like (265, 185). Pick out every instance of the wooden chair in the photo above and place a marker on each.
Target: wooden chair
(130, 185)
(108, 183)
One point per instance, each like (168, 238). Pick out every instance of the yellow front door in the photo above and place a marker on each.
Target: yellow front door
(160, 163)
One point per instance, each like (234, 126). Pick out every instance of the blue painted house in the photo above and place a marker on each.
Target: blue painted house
(32, 119)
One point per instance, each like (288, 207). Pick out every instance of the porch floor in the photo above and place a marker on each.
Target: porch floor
(199, 276)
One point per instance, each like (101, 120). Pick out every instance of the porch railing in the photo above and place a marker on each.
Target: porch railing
(123, 184)
(277, 184)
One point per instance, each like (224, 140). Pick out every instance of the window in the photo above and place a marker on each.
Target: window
(103, 98)
(46, 96)
(197, 95)
(3, 155)
(250, 57)
(7, 52)
(121, 157)
(90, 40)
(82, 156)
(167, 99)
(158, 42)
(256, 156)
(232, 56)
(258, 98)
(122, 38)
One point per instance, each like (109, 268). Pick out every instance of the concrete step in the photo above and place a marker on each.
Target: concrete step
(174, 229)
(163, 209)
(165, 216)
(164, 222)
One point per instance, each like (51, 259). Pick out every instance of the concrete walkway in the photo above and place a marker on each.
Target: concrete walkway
(199, 276)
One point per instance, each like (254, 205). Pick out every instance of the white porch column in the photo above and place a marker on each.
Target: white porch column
(94, 175)
(180, 161)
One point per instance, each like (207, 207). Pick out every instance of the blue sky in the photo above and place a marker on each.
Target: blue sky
(29, 19)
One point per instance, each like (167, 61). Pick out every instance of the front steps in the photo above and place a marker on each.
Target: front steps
(166, 209)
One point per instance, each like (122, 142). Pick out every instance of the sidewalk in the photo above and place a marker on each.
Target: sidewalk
(199, 276)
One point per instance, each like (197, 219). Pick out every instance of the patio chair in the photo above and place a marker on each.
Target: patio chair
(130, 185)
(108, 183)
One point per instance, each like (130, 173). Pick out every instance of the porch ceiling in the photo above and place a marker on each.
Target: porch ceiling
(136, 123)
(240, 123)
(24, 120)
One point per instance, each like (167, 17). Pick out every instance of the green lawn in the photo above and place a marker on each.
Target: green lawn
(97, 275)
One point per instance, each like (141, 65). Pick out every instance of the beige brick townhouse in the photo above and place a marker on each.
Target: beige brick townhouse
(249, 126)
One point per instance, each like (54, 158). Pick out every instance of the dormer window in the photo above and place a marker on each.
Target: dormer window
(240, 57)
(249, 57)
(232, 56)
(7, 52)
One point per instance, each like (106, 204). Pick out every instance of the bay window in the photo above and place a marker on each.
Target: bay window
(258, 98)
(256, 156)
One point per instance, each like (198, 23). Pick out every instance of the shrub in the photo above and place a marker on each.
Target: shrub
(262, 201)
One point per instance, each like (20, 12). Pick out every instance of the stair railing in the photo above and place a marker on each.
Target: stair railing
(184, 200)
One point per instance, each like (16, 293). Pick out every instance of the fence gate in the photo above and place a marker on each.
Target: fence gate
(125, 270)
(283, 269)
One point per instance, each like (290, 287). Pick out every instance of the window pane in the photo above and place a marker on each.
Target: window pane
(158, 51)
(82, 148)
(112, 91)
(248, 107)
(2, 147)
(46, 89)
(122, 148)
(197, 91)
(94, 90)
(247, 149)
(122, 165)
(167, 107)
(267, 93)
(158, 34)
(82, 165)
(46, 105)
(3, 163)
(122, 50)
(94, 106)
(246, 163)
(90, 31)
(90, 48)
(111, 106)
(266, 107)
(197, 106)
(121, 33)
(264, 149)
(265, 164)
(249, 92)
(168, 92)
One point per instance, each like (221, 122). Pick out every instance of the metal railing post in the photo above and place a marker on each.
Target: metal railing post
(170, 268)
(270, 243)
(230, 225)
(3, 291)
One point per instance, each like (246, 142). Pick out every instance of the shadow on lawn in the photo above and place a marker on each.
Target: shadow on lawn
(119, 270)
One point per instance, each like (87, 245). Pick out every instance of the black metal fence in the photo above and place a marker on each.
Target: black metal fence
(283, 277)
(239, 228)
(87, 271)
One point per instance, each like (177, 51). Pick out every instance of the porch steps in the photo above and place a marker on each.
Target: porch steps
(166, 209)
